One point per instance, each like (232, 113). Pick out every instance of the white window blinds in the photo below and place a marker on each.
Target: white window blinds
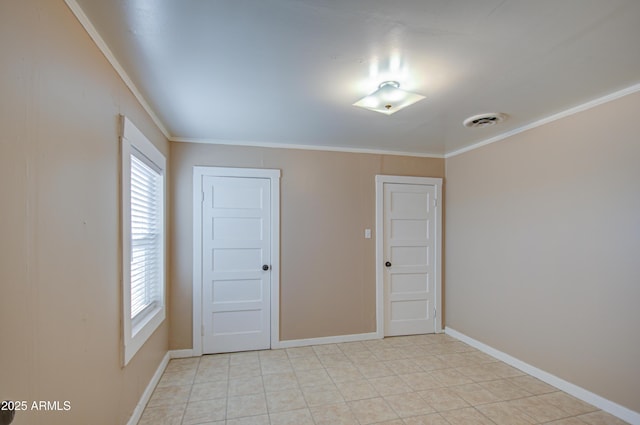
(143, 238)
(146, 235)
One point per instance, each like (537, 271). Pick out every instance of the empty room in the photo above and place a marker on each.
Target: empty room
(315, 212)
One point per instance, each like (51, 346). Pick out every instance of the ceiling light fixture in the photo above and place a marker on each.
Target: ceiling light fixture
(388, 99)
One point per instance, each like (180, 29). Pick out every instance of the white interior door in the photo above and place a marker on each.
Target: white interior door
(409, 255)
(236, 264)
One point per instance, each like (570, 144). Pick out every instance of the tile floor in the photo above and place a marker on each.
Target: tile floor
(414, 380)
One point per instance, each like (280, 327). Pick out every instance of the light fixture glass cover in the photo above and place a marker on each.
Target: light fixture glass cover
(389, 98)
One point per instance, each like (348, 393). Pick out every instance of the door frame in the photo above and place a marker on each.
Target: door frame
(437, 266)
(274, 177)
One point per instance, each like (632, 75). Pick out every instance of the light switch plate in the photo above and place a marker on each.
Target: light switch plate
(367, 233)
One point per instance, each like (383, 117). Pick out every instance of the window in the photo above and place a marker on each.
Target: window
(143, 236)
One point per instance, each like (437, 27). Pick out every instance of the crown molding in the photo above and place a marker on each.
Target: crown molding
(106, 51)
(303, 147)
(566, 113)
(108, 54)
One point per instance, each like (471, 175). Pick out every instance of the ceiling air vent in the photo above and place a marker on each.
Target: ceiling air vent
(484, 120)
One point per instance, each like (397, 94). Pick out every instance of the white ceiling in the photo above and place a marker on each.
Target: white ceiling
(288, 71)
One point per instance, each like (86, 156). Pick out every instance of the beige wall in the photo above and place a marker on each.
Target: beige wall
(60, 254)
(543, 234)
(542, 248)
(327, 267)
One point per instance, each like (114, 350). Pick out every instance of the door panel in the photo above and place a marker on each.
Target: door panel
(238, 229)
(409, 219)
(408, 282)
(229, 291)
(236, 259)
(409, 310)
(409, 255)
(409, 229)
(236, 244)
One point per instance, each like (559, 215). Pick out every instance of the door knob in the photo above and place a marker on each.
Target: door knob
(387, 264)
(265, 267)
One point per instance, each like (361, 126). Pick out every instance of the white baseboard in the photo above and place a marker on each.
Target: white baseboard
(326, 340)
(608, 406)
(181, 354)
(146, 395)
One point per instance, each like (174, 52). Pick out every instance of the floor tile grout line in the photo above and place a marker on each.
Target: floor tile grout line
(443, 350)
(190, 391)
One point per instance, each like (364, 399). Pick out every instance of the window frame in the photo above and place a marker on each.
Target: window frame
(138, 330)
